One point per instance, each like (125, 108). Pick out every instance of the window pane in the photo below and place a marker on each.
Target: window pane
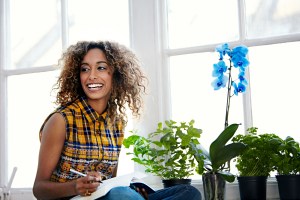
(272, 18)
(199, 22)
(274, 84)
(29, 103)
(193, 97)
(35, 33)
(102, 20)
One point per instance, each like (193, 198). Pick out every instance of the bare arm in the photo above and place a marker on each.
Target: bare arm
(52, 142)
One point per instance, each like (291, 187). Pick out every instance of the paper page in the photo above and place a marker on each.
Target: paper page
(107, 185)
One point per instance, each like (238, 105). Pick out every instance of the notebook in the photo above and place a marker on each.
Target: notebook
(124, 180)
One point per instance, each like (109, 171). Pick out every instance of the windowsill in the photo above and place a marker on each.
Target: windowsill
(232, 189)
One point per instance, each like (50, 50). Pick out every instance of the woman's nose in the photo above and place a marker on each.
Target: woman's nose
(93, 75)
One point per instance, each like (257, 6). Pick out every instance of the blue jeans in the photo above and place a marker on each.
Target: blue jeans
(178, 192)
(122, 193)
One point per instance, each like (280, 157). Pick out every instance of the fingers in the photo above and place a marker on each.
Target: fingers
(96, 175)
(142, 192)
(85, 186)
(87, 193)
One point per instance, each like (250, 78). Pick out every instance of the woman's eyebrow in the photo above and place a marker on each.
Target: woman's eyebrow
(99, 62)
(102, 62)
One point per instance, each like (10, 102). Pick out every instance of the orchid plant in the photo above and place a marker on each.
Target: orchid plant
(220, 152)
(223, 73)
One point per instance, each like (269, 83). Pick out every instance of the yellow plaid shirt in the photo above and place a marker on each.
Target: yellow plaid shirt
(92, 143)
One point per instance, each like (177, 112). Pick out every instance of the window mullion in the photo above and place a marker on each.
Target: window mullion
(4, 11)
(64, 24)
(242, 20)
(247, 106)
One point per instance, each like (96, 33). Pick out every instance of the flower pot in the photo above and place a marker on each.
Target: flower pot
(288, 186)
(252, 187)
(213, 186)
(172, 182)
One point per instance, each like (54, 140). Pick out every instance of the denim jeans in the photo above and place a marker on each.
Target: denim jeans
(122, 193)
(179, 192)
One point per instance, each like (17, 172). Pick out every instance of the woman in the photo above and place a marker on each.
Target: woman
(86, 131)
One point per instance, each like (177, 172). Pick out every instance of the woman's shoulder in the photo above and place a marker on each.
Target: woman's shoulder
(70, 108)
(62, 113)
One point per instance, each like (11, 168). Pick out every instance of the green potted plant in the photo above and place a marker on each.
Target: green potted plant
(256, 162)
(287, 165)
(215, 169)
(167, 152)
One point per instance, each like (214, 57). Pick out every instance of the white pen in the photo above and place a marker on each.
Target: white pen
(77, 172)
(81, 174)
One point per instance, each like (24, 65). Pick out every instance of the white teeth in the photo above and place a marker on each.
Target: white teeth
(95, 85)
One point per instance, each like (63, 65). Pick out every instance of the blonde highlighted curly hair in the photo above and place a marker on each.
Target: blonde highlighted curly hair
(128, 78)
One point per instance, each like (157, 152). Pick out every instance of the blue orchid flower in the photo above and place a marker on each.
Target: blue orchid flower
(219, 69)
(223, 49)
(237, 59)
(220, 82)
(242, 78)
(240, 61)
(240, 88)
(240, 50)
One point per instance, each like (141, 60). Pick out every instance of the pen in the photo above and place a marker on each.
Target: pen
(81, 174)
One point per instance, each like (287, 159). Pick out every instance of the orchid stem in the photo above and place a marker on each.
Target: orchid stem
(228, 96)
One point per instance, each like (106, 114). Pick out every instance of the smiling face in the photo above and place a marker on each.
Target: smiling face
(96, 78)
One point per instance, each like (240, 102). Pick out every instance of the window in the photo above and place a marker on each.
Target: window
(195, 23)
(175, 41)
(34, 42)
(35, 38)
(273, 81)
(268, 28)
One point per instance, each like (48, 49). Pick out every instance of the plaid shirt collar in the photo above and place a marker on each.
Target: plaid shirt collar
(88, 111)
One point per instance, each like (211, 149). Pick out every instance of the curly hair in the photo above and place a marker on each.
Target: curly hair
(128, 78)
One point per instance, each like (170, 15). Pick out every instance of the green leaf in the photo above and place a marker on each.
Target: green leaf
(167, 152)
(204, 152)
(131, 140)
(222, 139)
(227, 153)
(227, 176)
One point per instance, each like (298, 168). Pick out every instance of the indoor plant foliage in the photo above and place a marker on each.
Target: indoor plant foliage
(256, 162)
(168, 151)
(215, 161)
(258, 158)
(287, 159)
(219, 154)
(287, 165)
(215, 170)
(223, 72)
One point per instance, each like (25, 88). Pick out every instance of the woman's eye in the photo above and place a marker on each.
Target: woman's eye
(84, 69)
(101, 68)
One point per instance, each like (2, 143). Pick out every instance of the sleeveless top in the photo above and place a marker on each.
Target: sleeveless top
(92, 142)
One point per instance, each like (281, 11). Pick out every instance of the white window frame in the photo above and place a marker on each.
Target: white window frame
(148, 40)
(155, 54)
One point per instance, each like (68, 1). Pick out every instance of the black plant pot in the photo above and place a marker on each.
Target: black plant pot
(288, 186)
(172, 182)
(253, 187)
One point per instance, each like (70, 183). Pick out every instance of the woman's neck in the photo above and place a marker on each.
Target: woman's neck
(98, 105)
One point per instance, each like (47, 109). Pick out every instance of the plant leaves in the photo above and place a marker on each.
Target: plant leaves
(227, 176)
(131, 140)
(227, 153)
(221, 140)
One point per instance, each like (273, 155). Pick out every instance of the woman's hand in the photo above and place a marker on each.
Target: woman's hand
(142, 192)
(85, 186)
